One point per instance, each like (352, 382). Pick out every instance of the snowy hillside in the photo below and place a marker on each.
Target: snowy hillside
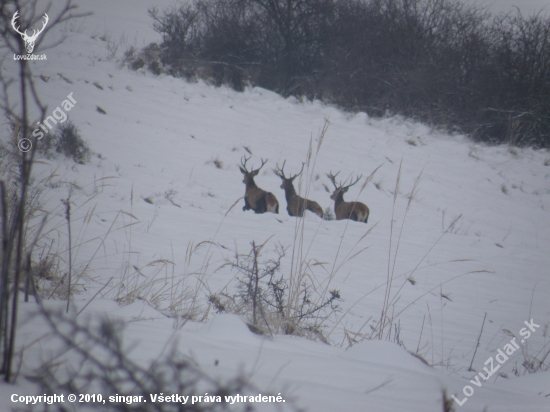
(157, 214)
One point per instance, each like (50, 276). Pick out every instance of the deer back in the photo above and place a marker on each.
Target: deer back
(352, 210)
(315, 207)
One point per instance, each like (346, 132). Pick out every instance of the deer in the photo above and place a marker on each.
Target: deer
(29, 40)
(255, 198)
(347, 210)
(296, 205)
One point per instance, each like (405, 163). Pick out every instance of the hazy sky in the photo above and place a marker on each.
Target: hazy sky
(527, 7)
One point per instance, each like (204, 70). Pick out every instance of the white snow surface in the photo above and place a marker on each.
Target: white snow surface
(160, 135)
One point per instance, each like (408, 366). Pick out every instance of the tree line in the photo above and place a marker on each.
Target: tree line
(442, 62)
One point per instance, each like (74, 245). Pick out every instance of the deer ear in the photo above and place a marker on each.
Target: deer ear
(242, 170)
(345, 189)
(255, 172)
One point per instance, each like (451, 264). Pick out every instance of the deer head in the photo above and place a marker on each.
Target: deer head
(29, 40)
(339, 188)
(249, 175)
(287, 180)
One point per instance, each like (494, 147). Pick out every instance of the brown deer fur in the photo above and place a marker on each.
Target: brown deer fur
(255, 198)
(347, 210)
(296, 205)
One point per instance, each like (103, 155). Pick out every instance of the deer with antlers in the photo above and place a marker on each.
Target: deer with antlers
(347, 210)
(255, 198)
(296, 205)
(29, 40)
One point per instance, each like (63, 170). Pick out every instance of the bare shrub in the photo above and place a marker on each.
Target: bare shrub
(328, 214)
(17, 246)
(533, 361)
(65, 139)
(262, 298)
(68, 141)
(439, 61)
(48, 274)
(148, 57)
(91, 357)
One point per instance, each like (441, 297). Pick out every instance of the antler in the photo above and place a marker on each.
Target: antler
(243, 164)
(279, 172)
(351, 184)
(263, 163)
(340, 185)
(35, 33)
(15, 16)
(245, 160)
(301, 170)
(333, 179)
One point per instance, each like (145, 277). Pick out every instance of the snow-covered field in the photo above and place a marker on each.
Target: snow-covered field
(157, 201)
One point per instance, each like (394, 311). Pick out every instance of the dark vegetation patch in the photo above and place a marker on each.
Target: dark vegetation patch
(438, 61)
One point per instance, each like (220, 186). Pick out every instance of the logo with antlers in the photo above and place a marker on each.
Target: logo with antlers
(29, 40)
